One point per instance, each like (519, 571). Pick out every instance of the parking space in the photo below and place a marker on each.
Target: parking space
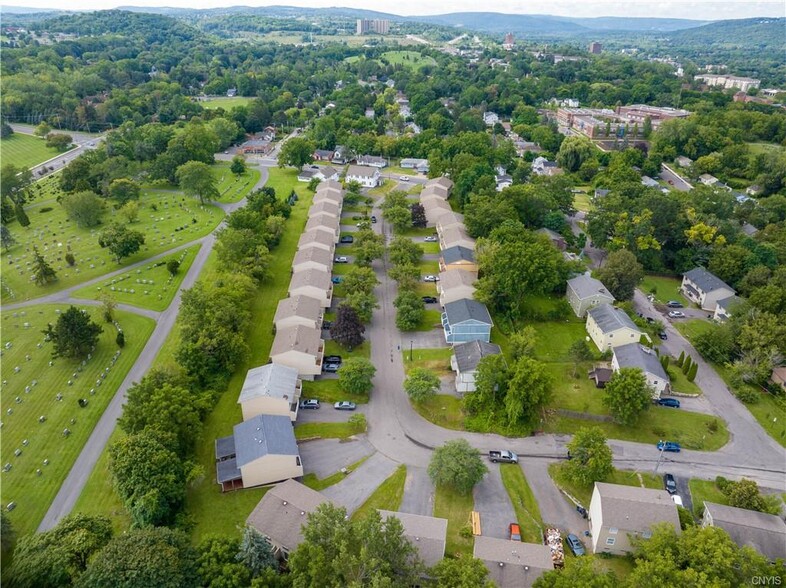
(432, 339)
(326, 414)
(683, 490)
(418, 492)
(354, 490)
(493, 504)
(327, 456)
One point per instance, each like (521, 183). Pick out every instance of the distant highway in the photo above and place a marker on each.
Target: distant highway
(82, 141)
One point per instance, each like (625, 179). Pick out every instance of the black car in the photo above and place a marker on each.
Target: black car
(674, 304)
(326, 324)
(373, 219)
(650, 320)
(430, 299)
(332, 359)
(670, 483)
(663, 336)
(347, 239)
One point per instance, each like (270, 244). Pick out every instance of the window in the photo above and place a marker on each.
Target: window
(613, 531)
(297, 459)
(610, 541)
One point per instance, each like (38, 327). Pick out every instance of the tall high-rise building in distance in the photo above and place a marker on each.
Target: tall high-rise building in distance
(509, 41)
(366, 26)
(595, 48)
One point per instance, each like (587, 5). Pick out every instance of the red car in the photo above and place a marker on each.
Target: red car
(515, 532)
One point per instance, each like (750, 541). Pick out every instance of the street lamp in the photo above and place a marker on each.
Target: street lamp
(410, 350)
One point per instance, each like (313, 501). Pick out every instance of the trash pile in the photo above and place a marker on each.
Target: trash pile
(553, 539)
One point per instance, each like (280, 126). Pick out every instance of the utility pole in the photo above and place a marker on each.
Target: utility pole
(660, 456)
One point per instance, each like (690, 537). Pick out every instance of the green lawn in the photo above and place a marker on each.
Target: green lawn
(435, 359)
(225, 102)
(333, 348)
(524, 503)
(410, 59)
(429, 267)
(456, 508)
(387, 496)
(758, 148)
(400, 171)
(231, 187)
(419, 232)
(416, 189)
(387, 186)
(154, 286)
(25, 150)
(315, 483)
(770, 411)
(328, 391)
(33, 493)
(166, 218)
(680, 383)
(705, 490)
(555, 338)
(582, 202)
(665, 288)
(343, 430)
(442, 410)
(429, 247)
(622, 477)
(430, 319)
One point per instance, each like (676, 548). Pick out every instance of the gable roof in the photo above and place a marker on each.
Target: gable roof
(514, 553)
(609, 319)
(327, 171)
(456, 278)
(469, 354)
(434, 203)
(302, 306)
(729, 301)
(585, 286)
(443, 181)
(707, 281)
(455, 234)
(315, 254)
(272, 380)
(427, 534)
(329, 185)
(362, 171)
(763, 532)
(457, 253)
(449, 219)
(632, 508)
(634, 355)
(369, 159)
(325, 206)
(322, 219)
(315, 236)
(311, 277)
(282, 512)
(463, 310)
(265, 434)
(435, 190)
(298, 338)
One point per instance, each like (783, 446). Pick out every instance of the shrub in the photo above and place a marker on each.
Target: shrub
(120, 339)
(172, 266)
(686, 365)
(70, 259)
(44, 209)
(746, 394)
(358, 421)
(681, 359)
(712, 426)
(722, 484)
(692, 372)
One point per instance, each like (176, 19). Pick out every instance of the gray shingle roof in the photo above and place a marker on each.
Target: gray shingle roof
(362, 171)
(468, 355)
(585, 286)
(766, 533)
(634, 355)
(465, 309)
(631, 508)
(316, 255)
(315, 236)
(225, 447)
(272, 380)
(282, 512)
(609, 318)
(263, 435)
(322, 219)
(427, 534)
(311, 277)
(707, 281)
(299, 338)
(458, 253)
(456, 278)
(729, 301)
(513, 552)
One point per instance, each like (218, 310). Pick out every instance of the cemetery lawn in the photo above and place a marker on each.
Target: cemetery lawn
(166, 227)
(32, 493)
(410, 59)
(225, 102)
(231, 187)
(153, 285)
(24, 150)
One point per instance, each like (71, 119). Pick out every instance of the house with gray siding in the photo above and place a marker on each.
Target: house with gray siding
(705, 288)
(585, 292)
(635, 355)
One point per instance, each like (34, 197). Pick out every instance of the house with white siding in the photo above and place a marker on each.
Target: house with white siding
(366, 176)
(301, 348)
(637, 356)
(705, 288)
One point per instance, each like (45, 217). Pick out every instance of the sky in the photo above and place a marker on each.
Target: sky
(692, 9)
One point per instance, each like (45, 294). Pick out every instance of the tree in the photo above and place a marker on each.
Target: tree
(418, 215)
(337, 552)
(491, 385)
(74, 335)
(457, 465)
(121, 241)
(173, 266)
(400, 217)
(14, 182)
(84, 208)
(197, 179)
(347, 330)
(404, 250)
(130, 211)
(745, 494)
(5, 130)
(591, 459)
(621, 273)
(42, 271)
(409, 309)
(124, 190)
(149, 476)
(627, 395)
(108, 306)
(529, 390)
(579, 351)
(141, 558)
(6, 238)
(522, 342)
(217, 563)
(21, 215)
(421, 384)
(42, 129)
(296, 152)
(255, 552)
(461, 572)
(574, 151)
(586, 572)
(238, 166)
(243, 251)
(368, 246)
(364, 304)
(355, 376)
(361, 279)
(59, 141)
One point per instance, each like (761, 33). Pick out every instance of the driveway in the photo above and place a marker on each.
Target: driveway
(493, 504)
(354, 490)
(675, 180)
(326, 414)
(683, 490)
(433, 339)
(418, 492)
(324, 457)
(555, 508)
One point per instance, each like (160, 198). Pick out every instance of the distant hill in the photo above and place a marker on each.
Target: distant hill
(25, 10)
(758, 33)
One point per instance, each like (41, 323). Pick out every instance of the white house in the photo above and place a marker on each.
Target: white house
(420, 165)
(270, 389)
(724, 307)
(326, 173)
(584, 292)
(490, 118)
(611, 327)
(366, 176)
(634, 355)
(465, 360)
(763, 532)
(705, 288)
(372, 161)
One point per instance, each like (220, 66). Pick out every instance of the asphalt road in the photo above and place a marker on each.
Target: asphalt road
(418, 492)
(493, 504)
(81, 140)
(675, 180)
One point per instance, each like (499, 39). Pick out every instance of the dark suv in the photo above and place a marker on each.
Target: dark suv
(670, 483)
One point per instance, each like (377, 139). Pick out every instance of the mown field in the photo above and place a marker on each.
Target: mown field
(25, 150)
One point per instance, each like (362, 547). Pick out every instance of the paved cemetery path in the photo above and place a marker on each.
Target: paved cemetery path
(75, 482)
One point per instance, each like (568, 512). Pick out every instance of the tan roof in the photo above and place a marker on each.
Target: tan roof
(314, 254)
(763, 532)
(329, 185)
(513, 564)
(310, 277)
(327, 206)
(303, 339)
(454, 235)
(435, 190)
(434, 203)
(315, 236)
(330, 195)
(632, 508)
(450, 219)
(456, 278)
(427, 534)
(322, 220)
(362, 171)
(440, 181)
(302, 306)
(282, 512)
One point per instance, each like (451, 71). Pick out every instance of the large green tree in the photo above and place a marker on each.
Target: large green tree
(409, 308)
(74, 334)
(574, 151)
(368, 246)
(296, 152)
(43, 273)
(124, 190)
(347, 330)
(197, 179)
(627, 395)
(458, 465)
(218, 565)
(243, 251)
(586, 572)
(591, 458)
(355, 375)
(121, 241)
(403, 250)
(256, 552)
(461, 572)
(529, 390)
(84, 208)
(621, 273)
(421, 384)
(14, 181)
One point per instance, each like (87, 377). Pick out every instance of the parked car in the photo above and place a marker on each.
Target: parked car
(503, 456)
(650, 320)
(347, 239)
(429, 299)
(575, 545)
(337, 279)
(332, 359)
(310, 403)
(331, 368)
(430, 239)
(373, 219)
(327, 324)
(663, 336)
(676, 314)
(344, 405)
(677, 499)
(674, 304)
(404, 179)
(431, 278)
(670, 484)
(670, 446)
(670, 402)
(515, 532)
(341, 259)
